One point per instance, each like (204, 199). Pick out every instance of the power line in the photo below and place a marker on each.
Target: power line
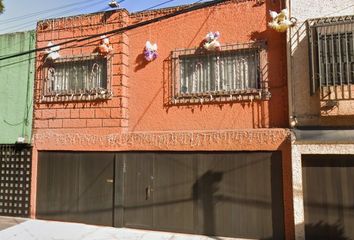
(18, 27)
(158, 5)
(193, 7)
(58, 14)
(28, 15)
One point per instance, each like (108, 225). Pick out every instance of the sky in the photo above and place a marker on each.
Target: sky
(20, 15)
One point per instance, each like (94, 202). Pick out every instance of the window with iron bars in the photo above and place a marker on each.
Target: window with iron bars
(331, 47)
(233, 73)
(77, 78)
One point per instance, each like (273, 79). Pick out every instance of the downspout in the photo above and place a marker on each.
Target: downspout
(291, 99)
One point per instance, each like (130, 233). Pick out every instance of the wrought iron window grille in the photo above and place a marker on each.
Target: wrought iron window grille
(77, 78)
(331, 55)
(235, 73)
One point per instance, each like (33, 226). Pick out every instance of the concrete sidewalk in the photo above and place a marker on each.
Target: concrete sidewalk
(6, 222)
(21, 229)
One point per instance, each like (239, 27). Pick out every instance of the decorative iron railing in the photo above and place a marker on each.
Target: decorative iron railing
(235, 73)
(331, 48)
(77, 78)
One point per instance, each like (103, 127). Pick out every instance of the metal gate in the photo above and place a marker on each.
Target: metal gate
(76, 187)
(15, 180)
(229, 194)
(328, 183)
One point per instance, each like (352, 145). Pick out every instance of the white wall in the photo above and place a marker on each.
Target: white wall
(305, 107)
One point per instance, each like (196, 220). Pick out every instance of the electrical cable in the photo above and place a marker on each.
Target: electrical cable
(24, 40)
(29, 15)
(193, 7)
(29, 24)
(22, 26)
(158, 5)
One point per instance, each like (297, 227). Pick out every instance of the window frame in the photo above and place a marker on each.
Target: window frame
(335, 26)
(250, 94)
(81, 94)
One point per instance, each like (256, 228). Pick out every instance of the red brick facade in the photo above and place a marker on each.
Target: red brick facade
(139, 88)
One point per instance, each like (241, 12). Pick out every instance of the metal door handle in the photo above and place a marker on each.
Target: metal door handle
(147, 192)
(109, 180)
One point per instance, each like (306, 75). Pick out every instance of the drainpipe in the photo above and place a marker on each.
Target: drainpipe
(291, 101)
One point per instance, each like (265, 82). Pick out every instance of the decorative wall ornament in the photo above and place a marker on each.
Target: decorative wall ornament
(280, 21)
(104, 48)
(150, 51)
(52, 52)
(165, 140)
(211, 42)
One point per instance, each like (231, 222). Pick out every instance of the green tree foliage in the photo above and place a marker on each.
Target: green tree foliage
(1, 6)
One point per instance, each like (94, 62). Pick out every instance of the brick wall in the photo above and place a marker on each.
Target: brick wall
(110, 113)
(142, 86)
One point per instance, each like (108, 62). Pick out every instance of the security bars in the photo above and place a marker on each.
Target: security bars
(331, 47)
(15, 180)
(233, 73)
(77, 78)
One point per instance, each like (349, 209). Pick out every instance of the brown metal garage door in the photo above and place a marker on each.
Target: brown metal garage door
(77, 187)
(218, 194)
(328, 182)
(231, 194)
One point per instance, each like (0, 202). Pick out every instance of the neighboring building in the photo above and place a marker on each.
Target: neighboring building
(16, 107)
(321, 78)
(194, 141)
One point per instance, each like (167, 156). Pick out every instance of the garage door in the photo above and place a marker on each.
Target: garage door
(231, 194)
(217, 194)
(328, 182)
(75, 187)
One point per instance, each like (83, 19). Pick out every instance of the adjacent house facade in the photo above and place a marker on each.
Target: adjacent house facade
(320, 75)
(16, 107)
(193, 141)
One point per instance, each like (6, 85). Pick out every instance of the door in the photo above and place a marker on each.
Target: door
(57, 186)
(174, 205)
(75, 187)
(158, 191)
(138, 190)
(328, 183)
(229, 194)
(95, 195)
(240, 195)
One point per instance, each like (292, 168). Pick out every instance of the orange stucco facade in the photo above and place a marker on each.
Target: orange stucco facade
(137, 117)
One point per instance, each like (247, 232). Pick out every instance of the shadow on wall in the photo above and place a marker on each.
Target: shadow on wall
(323, 231)
(204, 190)
(300, 88)
(307, 108)
(275, 73)
(140, 62)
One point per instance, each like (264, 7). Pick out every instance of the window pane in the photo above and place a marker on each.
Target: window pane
(80, 76)
(219, 72)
